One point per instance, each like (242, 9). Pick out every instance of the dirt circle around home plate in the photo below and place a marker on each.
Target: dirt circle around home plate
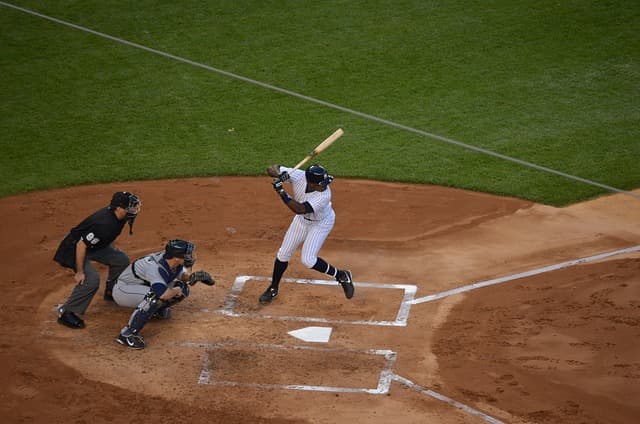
(552, 336)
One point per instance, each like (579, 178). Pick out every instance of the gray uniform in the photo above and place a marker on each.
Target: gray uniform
(148, 273)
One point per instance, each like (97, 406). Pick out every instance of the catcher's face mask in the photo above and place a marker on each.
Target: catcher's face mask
(134, 206)
(130, 203)
(181, 249)
(189, 257)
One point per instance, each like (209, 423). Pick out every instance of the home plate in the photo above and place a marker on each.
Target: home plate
(312, 334)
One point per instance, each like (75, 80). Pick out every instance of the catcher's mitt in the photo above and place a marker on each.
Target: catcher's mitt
(203, 276)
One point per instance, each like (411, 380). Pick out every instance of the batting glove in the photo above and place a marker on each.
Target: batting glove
(284, 176)
(277, 185)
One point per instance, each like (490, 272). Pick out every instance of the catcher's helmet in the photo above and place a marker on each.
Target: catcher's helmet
(318, 175)
(127, 201)
(180, 249)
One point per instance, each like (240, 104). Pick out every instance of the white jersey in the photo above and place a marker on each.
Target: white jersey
(311, 229)
(320, 201)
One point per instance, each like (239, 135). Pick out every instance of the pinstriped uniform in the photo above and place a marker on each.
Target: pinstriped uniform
(311, 229)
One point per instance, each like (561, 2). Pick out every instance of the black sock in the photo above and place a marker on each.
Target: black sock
(278, 270)
(322, 266)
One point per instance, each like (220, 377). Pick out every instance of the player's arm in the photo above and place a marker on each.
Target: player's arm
(164, 289)
(295, 206)
(81, 254)
(165, 292)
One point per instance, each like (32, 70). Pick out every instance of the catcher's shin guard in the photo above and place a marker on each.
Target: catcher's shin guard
(149, 305)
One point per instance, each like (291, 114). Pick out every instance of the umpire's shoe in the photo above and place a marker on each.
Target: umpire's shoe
(268, 295)
(131, 341)
(346, 281)
(108, 291)
(69, 319)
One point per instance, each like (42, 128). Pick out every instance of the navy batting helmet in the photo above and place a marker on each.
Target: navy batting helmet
(318, 175)
(180, 249)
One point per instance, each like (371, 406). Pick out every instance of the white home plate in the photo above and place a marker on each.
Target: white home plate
(312, 334)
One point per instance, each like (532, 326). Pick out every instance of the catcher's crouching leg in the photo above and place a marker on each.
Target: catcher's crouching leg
(129, 335)
(145, 310)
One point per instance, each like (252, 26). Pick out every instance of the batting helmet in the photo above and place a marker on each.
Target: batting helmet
(180, 249)
(318, 175)
(127, 201)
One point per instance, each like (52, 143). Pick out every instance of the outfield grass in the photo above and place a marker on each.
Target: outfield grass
(553, 83)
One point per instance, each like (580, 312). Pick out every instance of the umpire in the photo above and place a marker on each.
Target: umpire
(91, 240)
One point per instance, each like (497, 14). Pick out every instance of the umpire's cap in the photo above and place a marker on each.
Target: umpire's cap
(318, 175)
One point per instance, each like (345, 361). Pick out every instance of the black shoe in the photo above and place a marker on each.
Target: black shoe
(131, 341)
(69, 319)
(268, 295)
(108, 291)
(346, 281)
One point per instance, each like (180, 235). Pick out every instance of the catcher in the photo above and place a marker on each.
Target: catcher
(153, 284)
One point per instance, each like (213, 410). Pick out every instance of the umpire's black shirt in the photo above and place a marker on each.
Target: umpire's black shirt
(97, 231)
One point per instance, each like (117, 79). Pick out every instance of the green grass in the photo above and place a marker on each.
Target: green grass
(552, 83)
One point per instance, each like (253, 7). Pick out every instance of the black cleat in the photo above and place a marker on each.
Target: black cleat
(270, 294)
(69, 319)
(108, 291)
(131, 341)
(346, 281)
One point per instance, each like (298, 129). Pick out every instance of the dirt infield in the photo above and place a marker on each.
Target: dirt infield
(561, 345)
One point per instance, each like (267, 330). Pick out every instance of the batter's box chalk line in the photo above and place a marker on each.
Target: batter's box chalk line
(446, 399)
(401, 317)
(386, 375)
(384, 381)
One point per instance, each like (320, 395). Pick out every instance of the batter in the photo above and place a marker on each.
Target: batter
(314, 219)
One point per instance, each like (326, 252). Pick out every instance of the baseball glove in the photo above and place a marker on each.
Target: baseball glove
(203, 276)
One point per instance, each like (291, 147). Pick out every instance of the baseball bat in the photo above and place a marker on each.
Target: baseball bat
(321, 147)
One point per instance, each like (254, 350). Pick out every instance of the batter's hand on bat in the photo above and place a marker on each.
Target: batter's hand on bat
(277, 185)
(284, 176)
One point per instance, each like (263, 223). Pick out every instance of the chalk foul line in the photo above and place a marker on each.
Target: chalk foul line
(530, 273)
(446, 399)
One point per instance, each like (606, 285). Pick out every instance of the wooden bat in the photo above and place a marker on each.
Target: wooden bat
(321, 147)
